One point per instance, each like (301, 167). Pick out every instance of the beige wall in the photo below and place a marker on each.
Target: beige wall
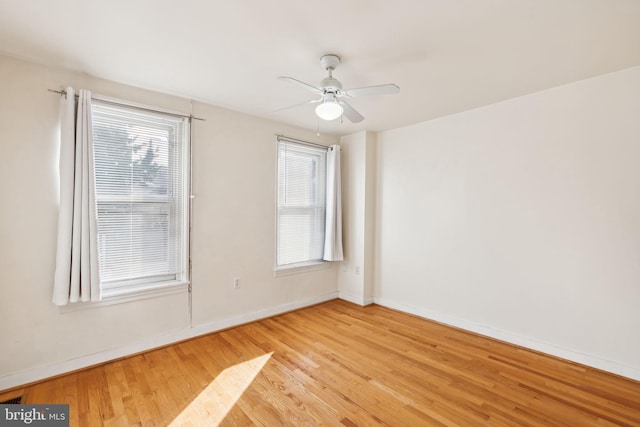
(233, 234)
(521, 220)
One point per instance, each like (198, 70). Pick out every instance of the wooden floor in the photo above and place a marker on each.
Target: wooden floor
(341, 364)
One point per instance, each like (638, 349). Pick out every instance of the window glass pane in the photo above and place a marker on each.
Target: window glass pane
(301, 203)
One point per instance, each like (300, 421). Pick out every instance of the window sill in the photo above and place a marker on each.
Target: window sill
(301, 268)
(113, 296)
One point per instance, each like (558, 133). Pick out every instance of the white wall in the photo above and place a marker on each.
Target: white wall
(356, 275)
(234, 184)
(521, 220)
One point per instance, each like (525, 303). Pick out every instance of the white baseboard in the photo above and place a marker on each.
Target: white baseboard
(355, 299)
(43, 372)
(551, 349)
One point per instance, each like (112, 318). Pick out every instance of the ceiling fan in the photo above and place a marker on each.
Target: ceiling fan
(331, 103)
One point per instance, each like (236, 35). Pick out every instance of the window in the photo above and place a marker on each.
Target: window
(141, 179)
(301, 204)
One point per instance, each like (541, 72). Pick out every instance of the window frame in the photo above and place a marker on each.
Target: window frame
(132, 289)
(308, 265)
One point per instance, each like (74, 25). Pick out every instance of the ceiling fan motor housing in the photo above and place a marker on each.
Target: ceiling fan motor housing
(330, 84)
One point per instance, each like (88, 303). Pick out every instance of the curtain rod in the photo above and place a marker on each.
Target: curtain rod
(299, 141)
(135, 107)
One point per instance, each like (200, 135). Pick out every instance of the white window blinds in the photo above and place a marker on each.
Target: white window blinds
(140, 161)
(301, 203)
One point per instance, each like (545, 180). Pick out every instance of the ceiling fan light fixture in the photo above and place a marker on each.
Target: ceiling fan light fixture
(329, 110)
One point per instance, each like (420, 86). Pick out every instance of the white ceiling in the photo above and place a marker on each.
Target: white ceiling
(447, 56)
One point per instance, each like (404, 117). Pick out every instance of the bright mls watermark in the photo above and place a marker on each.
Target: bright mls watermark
(34, 415)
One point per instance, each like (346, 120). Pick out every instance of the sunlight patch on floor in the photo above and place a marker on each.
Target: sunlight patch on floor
(215, 401)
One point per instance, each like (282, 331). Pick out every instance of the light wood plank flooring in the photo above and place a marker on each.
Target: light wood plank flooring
(340, 364)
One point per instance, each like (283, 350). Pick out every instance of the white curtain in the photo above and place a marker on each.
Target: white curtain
(333, 224)
(76, 276)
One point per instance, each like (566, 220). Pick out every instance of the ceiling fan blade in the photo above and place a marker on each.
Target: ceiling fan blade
(350, 113)
(313, 101)
(301, 84)
(387, 89)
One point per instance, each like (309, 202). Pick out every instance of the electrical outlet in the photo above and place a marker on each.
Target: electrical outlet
(345, 267)
(236, 283)
(357, 269)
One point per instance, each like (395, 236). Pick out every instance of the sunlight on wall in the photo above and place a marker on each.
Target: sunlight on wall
(215, 401)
